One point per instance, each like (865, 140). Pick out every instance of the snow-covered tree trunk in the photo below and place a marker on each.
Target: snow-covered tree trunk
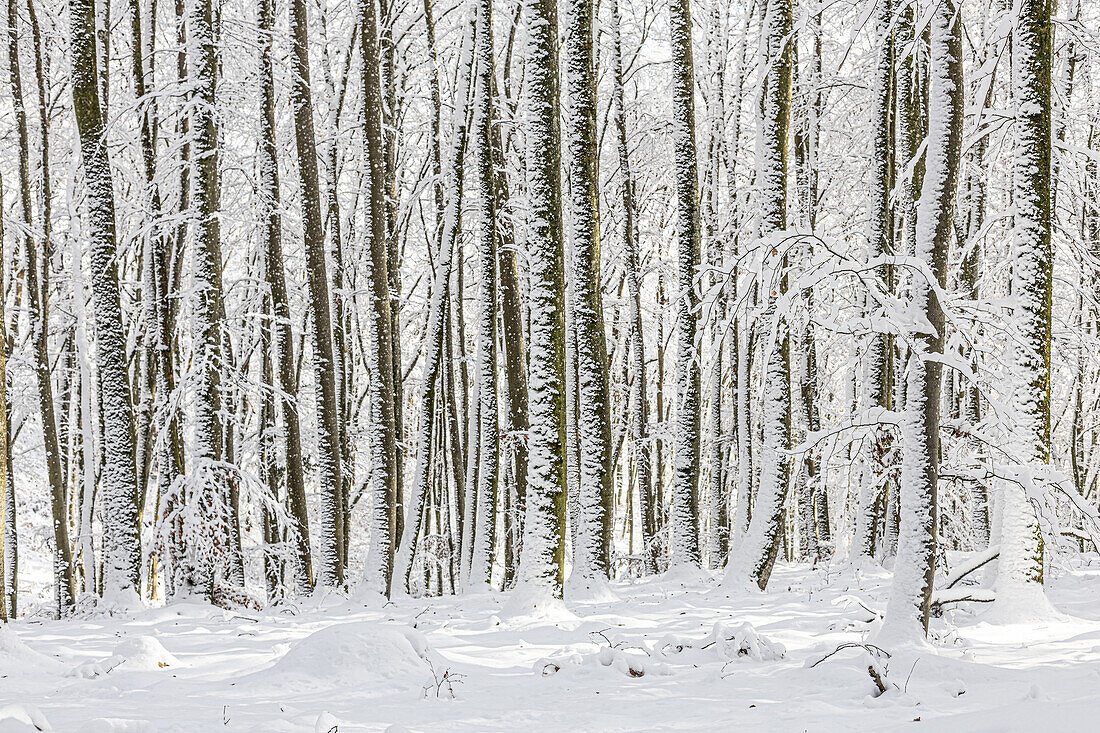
(39, 327)
(331, 567)
(878, 376)
(685, 476)
(739, 356)
(391, 117)
(911, 592)
(542, 566)
(485, 234)
(454, 453)
(742, 510)
(1020, 568)
(380, 420)
(434, 338)
(592, 549)
(118, 479)
(469, 481)
(717, 536)
(660, 503)
(9, 571)
(757, 552)
(910, 90)
(206, 490)
(7, 609)
(335, 88)
(281, 338)
(515, 349)
(730, 141)
(639, 398)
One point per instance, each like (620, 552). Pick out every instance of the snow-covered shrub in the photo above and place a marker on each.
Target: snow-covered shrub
(727, 643)
(743, 643)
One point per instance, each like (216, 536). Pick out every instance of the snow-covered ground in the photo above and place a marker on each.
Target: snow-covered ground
(665, 654)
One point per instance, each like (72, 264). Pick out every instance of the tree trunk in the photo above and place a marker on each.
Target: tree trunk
(1020, 568)
(639, 398)
(118, 481)
(911, 592)
(37, 305)
(542, 567)
(481, 565)
(878, 381)
(207, 483)
(281, 341)
(7, 607)
(757, 552)
(331, 568)
(685, 478)
(381, 430)
(592, 550)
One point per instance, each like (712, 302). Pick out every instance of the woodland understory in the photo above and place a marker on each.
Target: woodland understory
(394, 300)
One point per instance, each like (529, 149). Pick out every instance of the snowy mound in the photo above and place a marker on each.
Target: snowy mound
(588, 589)
(17, 658)
(138, 653)
(145, 652)
(353, 655)
(119, 725)
(22, 718)
(529, 604)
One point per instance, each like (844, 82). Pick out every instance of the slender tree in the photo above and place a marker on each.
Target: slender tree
(1020, 569)
(118, 478)
(331, 565)
(5, 611)
(485, 211)
(381, 430)
(39, 326)
(280, 338)
(207, 494)
(911, 592)
(592, 551)
(878, 378)
(639, 397)
(685, 477)
(758, 550)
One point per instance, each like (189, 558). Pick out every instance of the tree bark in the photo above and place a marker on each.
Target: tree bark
(63, 579)
(381, 427)
(685, 478)
(280, 337)
(592, 548)
(1020, 568)
(910, 595)
(758, 550)
(542, 567)
(331, 567)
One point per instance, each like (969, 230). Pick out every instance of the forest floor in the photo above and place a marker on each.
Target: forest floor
(659, 654)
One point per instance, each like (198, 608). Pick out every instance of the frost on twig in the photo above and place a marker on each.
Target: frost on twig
(443, 682)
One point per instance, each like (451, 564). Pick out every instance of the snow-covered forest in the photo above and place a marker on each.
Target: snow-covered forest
(441, 364)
